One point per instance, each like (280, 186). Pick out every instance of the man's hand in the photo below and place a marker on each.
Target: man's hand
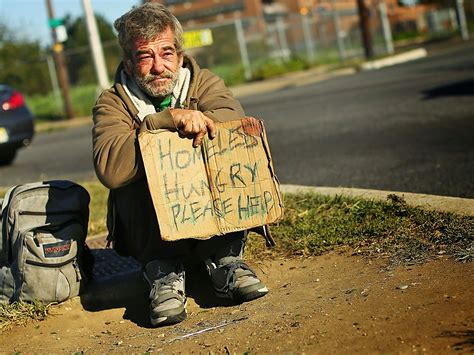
(193, 124)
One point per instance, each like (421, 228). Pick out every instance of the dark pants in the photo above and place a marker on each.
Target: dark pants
(136, 232)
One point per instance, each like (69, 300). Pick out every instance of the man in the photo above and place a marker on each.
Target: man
(158, 86)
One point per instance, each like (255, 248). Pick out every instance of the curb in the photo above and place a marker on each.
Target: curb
(459, 205)
(54, 125)
(395, 59)
(294, 79)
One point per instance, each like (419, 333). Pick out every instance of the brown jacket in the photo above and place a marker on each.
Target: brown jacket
(117, 160)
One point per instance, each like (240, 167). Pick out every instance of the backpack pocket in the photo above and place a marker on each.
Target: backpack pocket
(48, 269)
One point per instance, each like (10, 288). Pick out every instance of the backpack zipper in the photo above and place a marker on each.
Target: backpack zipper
(37, 263)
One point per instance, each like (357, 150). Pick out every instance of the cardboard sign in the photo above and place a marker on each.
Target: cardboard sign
(225, 185)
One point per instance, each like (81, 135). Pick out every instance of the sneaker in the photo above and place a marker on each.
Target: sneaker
(234, 279)
(168, 300)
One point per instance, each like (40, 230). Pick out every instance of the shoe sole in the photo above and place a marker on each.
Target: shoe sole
(244, 296)
(167, 320)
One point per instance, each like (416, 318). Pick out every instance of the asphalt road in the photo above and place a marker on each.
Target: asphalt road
(405, 128)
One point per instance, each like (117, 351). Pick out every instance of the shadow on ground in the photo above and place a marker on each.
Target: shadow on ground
(461, 88)
(118, 283)
(466, 339)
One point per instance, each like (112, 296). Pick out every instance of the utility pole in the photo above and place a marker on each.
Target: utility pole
(61, 69)
(387, 31)
(364, 23)
(462, 19)
(337, 27)
(96, 45)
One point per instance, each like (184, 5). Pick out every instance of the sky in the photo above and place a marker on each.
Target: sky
(29, 18)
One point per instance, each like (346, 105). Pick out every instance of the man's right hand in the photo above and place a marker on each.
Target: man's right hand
(193, 124)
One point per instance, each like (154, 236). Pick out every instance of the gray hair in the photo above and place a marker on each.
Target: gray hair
(146, 22)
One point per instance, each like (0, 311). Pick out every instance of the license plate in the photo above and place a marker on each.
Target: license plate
(3, 135)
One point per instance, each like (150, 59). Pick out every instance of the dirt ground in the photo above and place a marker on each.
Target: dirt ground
(335, 303)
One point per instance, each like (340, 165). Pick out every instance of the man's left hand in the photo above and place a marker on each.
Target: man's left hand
(193, 124)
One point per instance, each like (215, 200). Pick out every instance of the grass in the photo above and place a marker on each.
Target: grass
(97, 207)
(314, 224)
(47, 108)
(20, 313)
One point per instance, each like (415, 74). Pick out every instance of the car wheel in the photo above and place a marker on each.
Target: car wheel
(7, 156)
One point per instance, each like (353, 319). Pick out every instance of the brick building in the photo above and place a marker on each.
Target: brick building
(195, 12)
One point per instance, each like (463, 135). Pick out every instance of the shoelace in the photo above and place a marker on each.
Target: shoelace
(167, 283)
(231, 279)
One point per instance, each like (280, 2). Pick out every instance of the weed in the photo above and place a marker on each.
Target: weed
(315, 223)
(19, 313)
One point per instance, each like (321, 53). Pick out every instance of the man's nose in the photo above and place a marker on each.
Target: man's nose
(158, 66)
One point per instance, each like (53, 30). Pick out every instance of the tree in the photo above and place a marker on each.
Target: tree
(78, 54)
(22, 63)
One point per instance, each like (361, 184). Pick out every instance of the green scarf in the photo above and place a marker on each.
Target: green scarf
(160, 106)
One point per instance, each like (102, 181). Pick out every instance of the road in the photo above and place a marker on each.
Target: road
(404, 128)
(407, 128)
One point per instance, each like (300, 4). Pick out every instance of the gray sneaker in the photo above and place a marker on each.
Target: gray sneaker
(234, 279)
(168, 300)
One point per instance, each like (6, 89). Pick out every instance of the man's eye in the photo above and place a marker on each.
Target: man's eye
(144, 57)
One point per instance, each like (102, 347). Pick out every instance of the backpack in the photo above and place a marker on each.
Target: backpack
(42, 241)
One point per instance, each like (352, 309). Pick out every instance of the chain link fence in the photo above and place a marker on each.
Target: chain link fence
(252, 49)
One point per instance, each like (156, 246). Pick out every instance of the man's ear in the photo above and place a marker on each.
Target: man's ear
(181, 57)
(128, 66)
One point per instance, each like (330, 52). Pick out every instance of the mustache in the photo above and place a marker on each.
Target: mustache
(165, 75)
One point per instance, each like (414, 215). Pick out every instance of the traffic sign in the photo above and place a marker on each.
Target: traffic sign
(197, 38)
(55, 22)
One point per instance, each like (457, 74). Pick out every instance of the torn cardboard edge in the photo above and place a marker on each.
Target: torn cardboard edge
(227, 184)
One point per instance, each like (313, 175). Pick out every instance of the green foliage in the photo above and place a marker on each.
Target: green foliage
(275, 67)
(19, 313)
(79, 58)
(21, 63)
(400, 36)
(97, 207)
(232, 75)
(47, 107)
(315, 223)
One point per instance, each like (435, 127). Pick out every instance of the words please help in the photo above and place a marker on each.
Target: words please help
(227, 184)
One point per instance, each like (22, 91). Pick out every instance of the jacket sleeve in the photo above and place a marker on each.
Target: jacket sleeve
(116, 152)
(215, 100)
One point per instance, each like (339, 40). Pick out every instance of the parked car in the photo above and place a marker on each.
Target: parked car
(16, 123)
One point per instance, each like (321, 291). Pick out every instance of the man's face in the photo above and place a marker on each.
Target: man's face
(155, 64)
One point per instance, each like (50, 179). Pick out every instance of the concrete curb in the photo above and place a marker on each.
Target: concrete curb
(293, 79)
(459, 205)
(395, 59)
(44, 127)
